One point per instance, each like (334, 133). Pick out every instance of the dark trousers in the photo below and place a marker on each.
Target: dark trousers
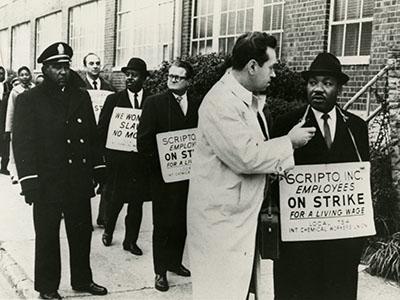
(133, 218)
(78, 224)
(169, 227)
(320, 270)
(5, 155)
(101, 215)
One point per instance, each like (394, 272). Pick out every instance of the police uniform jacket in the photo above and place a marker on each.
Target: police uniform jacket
(55, 142)
(127, 173)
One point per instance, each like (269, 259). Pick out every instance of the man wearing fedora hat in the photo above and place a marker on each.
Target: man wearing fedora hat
(126, 181)
(58, 160)
(325, 269)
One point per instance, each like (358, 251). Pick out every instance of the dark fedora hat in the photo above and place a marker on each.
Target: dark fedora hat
(326, 64)
(137, 64)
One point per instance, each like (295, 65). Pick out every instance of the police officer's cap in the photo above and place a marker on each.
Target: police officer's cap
(56, 53)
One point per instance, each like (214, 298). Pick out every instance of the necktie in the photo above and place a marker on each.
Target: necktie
(136, 101)
(327, 131)
(95, 84)
(261, 122)
(179, 99)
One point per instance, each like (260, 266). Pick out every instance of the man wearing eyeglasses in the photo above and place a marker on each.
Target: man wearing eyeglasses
(126, 175)
(172, 110)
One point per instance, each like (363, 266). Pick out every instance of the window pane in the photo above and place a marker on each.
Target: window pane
(202, 47)
(231, 23)
(222, 46)
(194, 48)
(249, 20)
(203, 7)
(231, 42)
(336, 40)
(240, 22)
(366, 36)
(202, 27)
(210, 6)
(277, 15)
(195, 28)
(368, 8)
(222, 30)
(267, 18)
(241, 4)
(339, 10)
(232, 4)
(209, 26)
(250, 3)
(351, 41)
(209, 46)
(267, 1)
(224, 5)
(353, 9)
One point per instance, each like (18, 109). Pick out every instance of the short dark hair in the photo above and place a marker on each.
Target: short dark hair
(24, 68)
(186, 65)
(251, 45)
(85, 57)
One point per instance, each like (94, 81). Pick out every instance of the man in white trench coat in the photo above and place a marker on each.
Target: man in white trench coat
(233, 155)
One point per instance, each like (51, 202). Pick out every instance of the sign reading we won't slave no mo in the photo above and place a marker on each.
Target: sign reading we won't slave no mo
(328, 201)
(175, 150)
(122, 130)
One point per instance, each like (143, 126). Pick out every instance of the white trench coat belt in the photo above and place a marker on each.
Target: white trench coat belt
(226, 190)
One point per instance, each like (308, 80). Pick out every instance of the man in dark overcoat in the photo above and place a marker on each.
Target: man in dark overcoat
(127, 181)
(58, 159)
(325, 269)
(93, 81)
(172, 110)
(5, 89)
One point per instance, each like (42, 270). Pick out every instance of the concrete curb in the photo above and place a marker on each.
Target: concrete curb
(16, 276)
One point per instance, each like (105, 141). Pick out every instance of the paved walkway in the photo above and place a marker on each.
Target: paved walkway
(126, 276)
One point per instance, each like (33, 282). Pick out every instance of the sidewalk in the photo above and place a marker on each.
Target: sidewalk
(126, 276)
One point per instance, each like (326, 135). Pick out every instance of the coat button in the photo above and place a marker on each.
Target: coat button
(82, 141)
(70, 161)
(68, 141)
(84, 160)
(79, 120)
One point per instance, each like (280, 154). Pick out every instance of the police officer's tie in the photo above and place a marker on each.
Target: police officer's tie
(95, 84)
(135, 97)
(327, 131)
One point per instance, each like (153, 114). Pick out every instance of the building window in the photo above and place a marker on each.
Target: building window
(86, 31)
(48, 31)
(20, 51)
(5, 48)
(217, 24)
(145, 29)
(351, 30)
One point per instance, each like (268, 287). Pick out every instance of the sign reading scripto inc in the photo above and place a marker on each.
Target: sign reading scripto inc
(175, 149)
(122, 131)
(328, 201)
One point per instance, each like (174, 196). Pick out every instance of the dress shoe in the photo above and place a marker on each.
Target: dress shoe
(5, 172)
(132, 248)
(51, 295)
(106, 239)
(161, 282)
(180, 270)
(91, 288)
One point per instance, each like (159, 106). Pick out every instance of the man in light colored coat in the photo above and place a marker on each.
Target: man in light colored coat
(233, 155)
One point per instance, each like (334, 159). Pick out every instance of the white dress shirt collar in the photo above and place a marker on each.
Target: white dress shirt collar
(98, 82)
(131, 96)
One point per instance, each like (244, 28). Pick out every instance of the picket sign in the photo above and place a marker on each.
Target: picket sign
(122, 131)
(98, 98)
(175, 150)
(326, 202)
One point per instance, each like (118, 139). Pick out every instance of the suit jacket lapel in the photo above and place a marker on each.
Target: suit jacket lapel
(175, 107)
(318, 139)
(123, 100)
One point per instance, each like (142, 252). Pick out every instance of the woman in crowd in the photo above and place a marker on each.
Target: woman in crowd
(25, 79)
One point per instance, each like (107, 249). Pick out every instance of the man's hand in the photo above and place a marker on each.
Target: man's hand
(300, 136)
(32, 196)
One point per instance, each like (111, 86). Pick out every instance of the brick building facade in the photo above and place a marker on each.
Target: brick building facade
(362, 32)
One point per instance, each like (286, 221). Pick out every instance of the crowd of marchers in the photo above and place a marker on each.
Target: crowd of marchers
(57, 149)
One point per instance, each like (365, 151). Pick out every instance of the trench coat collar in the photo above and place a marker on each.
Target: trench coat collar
(236, 88)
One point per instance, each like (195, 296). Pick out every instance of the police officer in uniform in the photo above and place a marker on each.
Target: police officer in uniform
(58, 160)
